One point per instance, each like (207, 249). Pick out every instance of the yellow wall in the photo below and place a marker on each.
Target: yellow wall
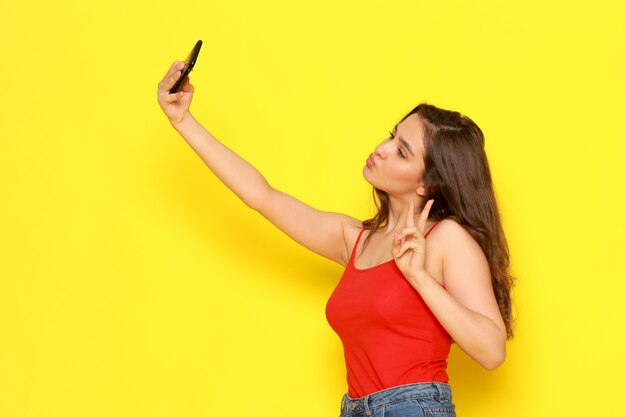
(133, 283)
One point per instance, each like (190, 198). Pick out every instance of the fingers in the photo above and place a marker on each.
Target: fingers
(408, 231)
(403, 237)
(411, 236)
(187, 87)
(176, 65)
(175, 70)
(411, 244)
(173, 74)
(421, 222)
(170, 98)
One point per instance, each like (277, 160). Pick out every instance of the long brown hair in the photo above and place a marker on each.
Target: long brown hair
(457, 177)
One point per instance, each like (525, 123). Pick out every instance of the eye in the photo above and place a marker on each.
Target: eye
(399, 150)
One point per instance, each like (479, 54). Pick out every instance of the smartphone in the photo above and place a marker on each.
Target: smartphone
(189, 63)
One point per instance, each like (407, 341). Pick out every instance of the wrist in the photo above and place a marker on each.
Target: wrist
(184, 120)
(418, 279)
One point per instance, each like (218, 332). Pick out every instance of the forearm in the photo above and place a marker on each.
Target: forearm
(234, 171)
(475, 333)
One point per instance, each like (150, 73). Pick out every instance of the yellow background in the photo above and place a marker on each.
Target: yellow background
(133, 283)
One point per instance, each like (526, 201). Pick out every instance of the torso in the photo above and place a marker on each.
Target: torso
(378, 250)
(389, 334)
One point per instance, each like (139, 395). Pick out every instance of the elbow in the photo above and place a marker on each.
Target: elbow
(494, 360)
(492, 364)
(257, 199)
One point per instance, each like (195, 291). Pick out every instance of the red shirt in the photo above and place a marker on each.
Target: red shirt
(389, 335)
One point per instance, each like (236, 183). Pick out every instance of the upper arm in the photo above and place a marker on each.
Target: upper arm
(320, 231)
(466, 273)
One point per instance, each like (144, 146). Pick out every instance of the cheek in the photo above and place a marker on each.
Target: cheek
(397, 179)
(406, 174)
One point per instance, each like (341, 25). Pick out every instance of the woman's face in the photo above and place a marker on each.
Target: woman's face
(397, 164)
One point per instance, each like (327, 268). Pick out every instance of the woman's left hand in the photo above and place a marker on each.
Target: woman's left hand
(409, 245)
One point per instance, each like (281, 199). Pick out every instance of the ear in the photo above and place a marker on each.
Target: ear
(421, 190)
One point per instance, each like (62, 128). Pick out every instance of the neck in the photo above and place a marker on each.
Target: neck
(398, 208)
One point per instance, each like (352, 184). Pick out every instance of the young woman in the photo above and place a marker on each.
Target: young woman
(398, 307)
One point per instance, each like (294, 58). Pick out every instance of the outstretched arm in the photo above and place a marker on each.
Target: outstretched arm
(320, 231)
(235, 172)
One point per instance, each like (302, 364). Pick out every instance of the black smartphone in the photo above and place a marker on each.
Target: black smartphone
(189, 63)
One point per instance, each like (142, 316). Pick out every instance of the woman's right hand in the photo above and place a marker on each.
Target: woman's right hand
(175, 106)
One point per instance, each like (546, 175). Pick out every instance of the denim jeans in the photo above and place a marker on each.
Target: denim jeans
(423, 399)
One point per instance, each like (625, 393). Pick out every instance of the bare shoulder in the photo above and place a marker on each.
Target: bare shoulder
(462, 256)
(450, 233)
(451, 241)
(351, 229)
(466, 271)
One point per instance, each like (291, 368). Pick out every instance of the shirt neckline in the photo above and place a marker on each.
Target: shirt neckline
(353, 255)
(371, 267)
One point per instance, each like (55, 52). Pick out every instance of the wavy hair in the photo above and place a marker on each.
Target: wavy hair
(457, 177)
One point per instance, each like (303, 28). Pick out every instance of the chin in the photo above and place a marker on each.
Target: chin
(366, 177)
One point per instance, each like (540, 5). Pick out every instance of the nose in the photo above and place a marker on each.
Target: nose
(382, 149)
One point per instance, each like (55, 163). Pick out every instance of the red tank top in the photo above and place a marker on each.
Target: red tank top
(389, 335)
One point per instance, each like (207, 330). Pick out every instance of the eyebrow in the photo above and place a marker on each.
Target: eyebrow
(404, 142)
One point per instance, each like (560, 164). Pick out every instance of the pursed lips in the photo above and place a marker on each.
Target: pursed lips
(371, 160)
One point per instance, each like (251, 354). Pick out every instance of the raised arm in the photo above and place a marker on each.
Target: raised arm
(320, 231)
(467, 307)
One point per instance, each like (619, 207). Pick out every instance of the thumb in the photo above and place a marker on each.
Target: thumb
(187, 87)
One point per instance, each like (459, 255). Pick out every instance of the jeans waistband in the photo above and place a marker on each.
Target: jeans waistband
(440, 390)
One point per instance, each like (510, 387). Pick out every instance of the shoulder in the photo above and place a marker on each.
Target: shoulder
(351, 229)
(454, 242)
(466, 271)
(452, 233)
(464, 264)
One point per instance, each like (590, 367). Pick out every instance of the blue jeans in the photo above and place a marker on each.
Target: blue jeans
(423, 399)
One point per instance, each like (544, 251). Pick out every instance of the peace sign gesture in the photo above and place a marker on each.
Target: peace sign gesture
(409, 245)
